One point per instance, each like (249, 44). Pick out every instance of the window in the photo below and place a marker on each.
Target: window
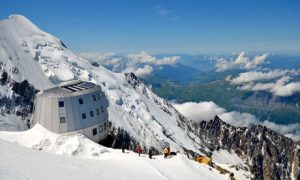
(102, 109)
(94, 131)
(80, 101)
(97, 111)
(92, 113)
(100, 128)
(61, 104)
(98, 95)
(83, 116)
(62, 119)
(94, 97)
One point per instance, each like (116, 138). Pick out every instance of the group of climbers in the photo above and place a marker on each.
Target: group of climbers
(166, 150)
(139, 151)
(166, 153)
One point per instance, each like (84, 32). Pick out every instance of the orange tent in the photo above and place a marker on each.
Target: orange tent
(203, 160)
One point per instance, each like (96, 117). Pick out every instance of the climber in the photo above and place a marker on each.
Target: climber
(139, 150)
(166, 152)
(232, 176)
(150, 154)
(123, 147)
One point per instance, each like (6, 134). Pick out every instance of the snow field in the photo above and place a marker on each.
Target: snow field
(81, 158)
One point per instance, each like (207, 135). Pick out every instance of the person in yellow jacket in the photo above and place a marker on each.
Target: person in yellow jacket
(232, 176)
(166, 152)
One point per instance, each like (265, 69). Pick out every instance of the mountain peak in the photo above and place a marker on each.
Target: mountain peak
(27, 46)
(16, 16)
(19, 23)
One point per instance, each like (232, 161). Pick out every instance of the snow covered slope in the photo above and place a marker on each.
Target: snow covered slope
(40, 138)
(88, 160)
(20, 43)
(232, 163)
(28, 53)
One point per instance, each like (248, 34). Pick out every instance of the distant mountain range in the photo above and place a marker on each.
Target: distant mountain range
(207, 63)
(183, 83)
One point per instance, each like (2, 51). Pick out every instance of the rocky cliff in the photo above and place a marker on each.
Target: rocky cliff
(268, 154)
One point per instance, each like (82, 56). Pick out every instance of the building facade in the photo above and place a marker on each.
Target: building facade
(73, 107)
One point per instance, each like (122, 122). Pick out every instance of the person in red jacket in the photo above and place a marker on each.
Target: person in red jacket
(139, 150)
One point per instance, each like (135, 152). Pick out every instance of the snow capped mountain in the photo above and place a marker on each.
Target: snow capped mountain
(32, 60)
(22, 41)
(27, 52)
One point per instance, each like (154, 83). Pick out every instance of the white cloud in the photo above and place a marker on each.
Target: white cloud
(295, 136)
(162, 10)
(290, 130)
(106, 59)
(142, 64)
(166, 12)
(280, 84)
(246, 120)
(252, 76)
(239, 119)
(287, 89)
(241, 62)
(97, 56)
(208, 110)
(141, 71)
(282, 87)
(146, 58)
(199, 111)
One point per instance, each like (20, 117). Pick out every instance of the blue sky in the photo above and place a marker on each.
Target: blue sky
(193, 27)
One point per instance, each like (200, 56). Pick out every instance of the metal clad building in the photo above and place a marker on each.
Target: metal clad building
(74, 106)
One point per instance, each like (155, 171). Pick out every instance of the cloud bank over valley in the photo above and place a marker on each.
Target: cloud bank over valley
(142, 63)
(208, 110)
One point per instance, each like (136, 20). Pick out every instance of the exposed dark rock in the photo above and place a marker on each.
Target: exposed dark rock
(132, 79)
(25, 91)
(95, 64)
(21, 101)
(118, 137)
(270, 153)
(63, 44)
(4, 78)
